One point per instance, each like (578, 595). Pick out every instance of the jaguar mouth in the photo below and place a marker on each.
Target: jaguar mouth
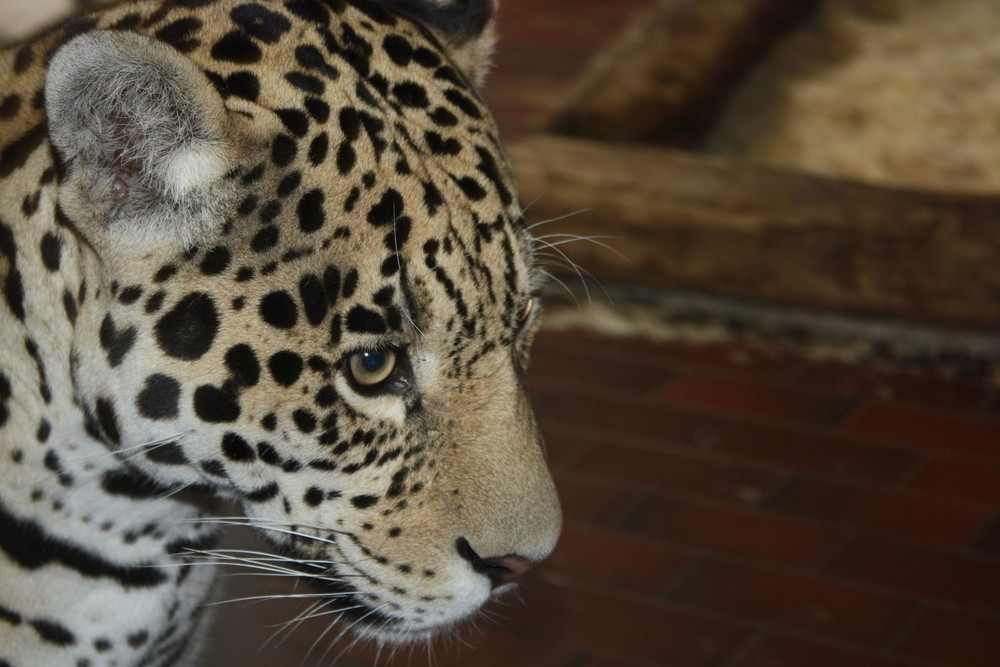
(366, 617)
(377, 615)
(346, 602)
(343, 599)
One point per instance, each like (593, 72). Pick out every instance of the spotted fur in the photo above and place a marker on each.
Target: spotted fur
(268, 251)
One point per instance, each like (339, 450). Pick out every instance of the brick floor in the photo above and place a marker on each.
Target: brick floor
(906, 515)
(730, 532)
(945, 431)
(784, 651)
(796, 602)
(973, 480)
(953, 637)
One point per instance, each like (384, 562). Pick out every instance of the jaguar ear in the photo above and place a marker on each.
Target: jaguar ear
(466, 28)
(144, 135)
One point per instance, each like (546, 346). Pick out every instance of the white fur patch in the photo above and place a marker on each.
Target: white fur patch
(191, 167)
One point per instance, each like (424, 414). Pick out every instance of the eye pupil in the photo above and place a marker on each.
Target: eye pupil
(372, 361)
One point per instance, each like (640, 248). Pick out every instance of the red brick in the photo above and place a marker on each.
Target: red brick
(954, 638)
(595, 502)
(935, 393)
(922, 573)
(601, 662)
(844, 379)
(988, 542)
(563, 446)
(661, 471)
(468, 647)
(620, 374)
(732, 530)
(757, 400)
(798, 602)
(977, 482)
(729, 358)
(642, 421)
(898, 514)
(624, 629)
(865, 381)
(627, 418)
(809, 451)
(780, 651)
(601, 559)
(924, 427)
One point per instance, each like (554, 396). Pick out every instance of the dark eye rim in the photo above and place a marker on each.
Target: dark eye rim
(397, 383)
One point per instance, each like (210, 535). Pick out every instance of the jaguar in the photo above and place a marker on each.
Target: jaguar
(268, 253)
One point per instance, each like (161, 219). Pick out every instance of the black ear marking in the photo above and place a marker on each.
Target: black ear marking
(465, 29)
(455, 21)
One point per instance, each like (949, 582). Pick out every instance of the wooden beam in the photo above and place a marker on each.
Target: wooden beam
(737, 229)
(665, 78)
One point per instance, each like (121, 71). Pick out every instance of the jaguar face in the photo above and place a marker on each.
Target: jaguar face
(316, 294)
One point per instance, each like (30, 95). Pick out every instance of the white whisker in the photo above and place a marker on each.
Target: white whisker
(597, 282)
(557, 219)
(289, 627)
(130, 452)
(579, 272)
(339, 612)
(399, 265)
(274, 529)
(262, 556)
(282, 596)
(574, 238)
(260, 523)
(551, 276)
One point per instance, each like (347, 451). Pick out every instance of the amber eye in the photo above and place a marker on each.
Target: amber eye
(371, 367)
(528, 307)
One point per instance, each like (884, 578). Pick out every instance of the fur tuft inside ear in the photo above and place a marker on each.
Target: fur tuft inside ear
(466, 28)
(143, 133)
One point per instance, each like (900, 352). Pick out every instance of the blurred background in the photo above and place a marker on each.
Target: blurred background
(769, 378)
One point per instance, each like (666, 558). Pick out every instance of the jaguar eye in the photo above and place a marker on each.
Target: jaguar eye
(528, 307)
(371, 367)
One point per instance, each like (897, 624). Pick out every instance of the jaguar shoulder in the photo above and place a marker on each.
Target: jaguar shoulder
(269, 251)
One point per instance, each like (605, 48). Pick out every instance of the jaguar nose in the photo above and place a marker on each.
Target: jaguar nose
(505, 569)
(499, 570)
